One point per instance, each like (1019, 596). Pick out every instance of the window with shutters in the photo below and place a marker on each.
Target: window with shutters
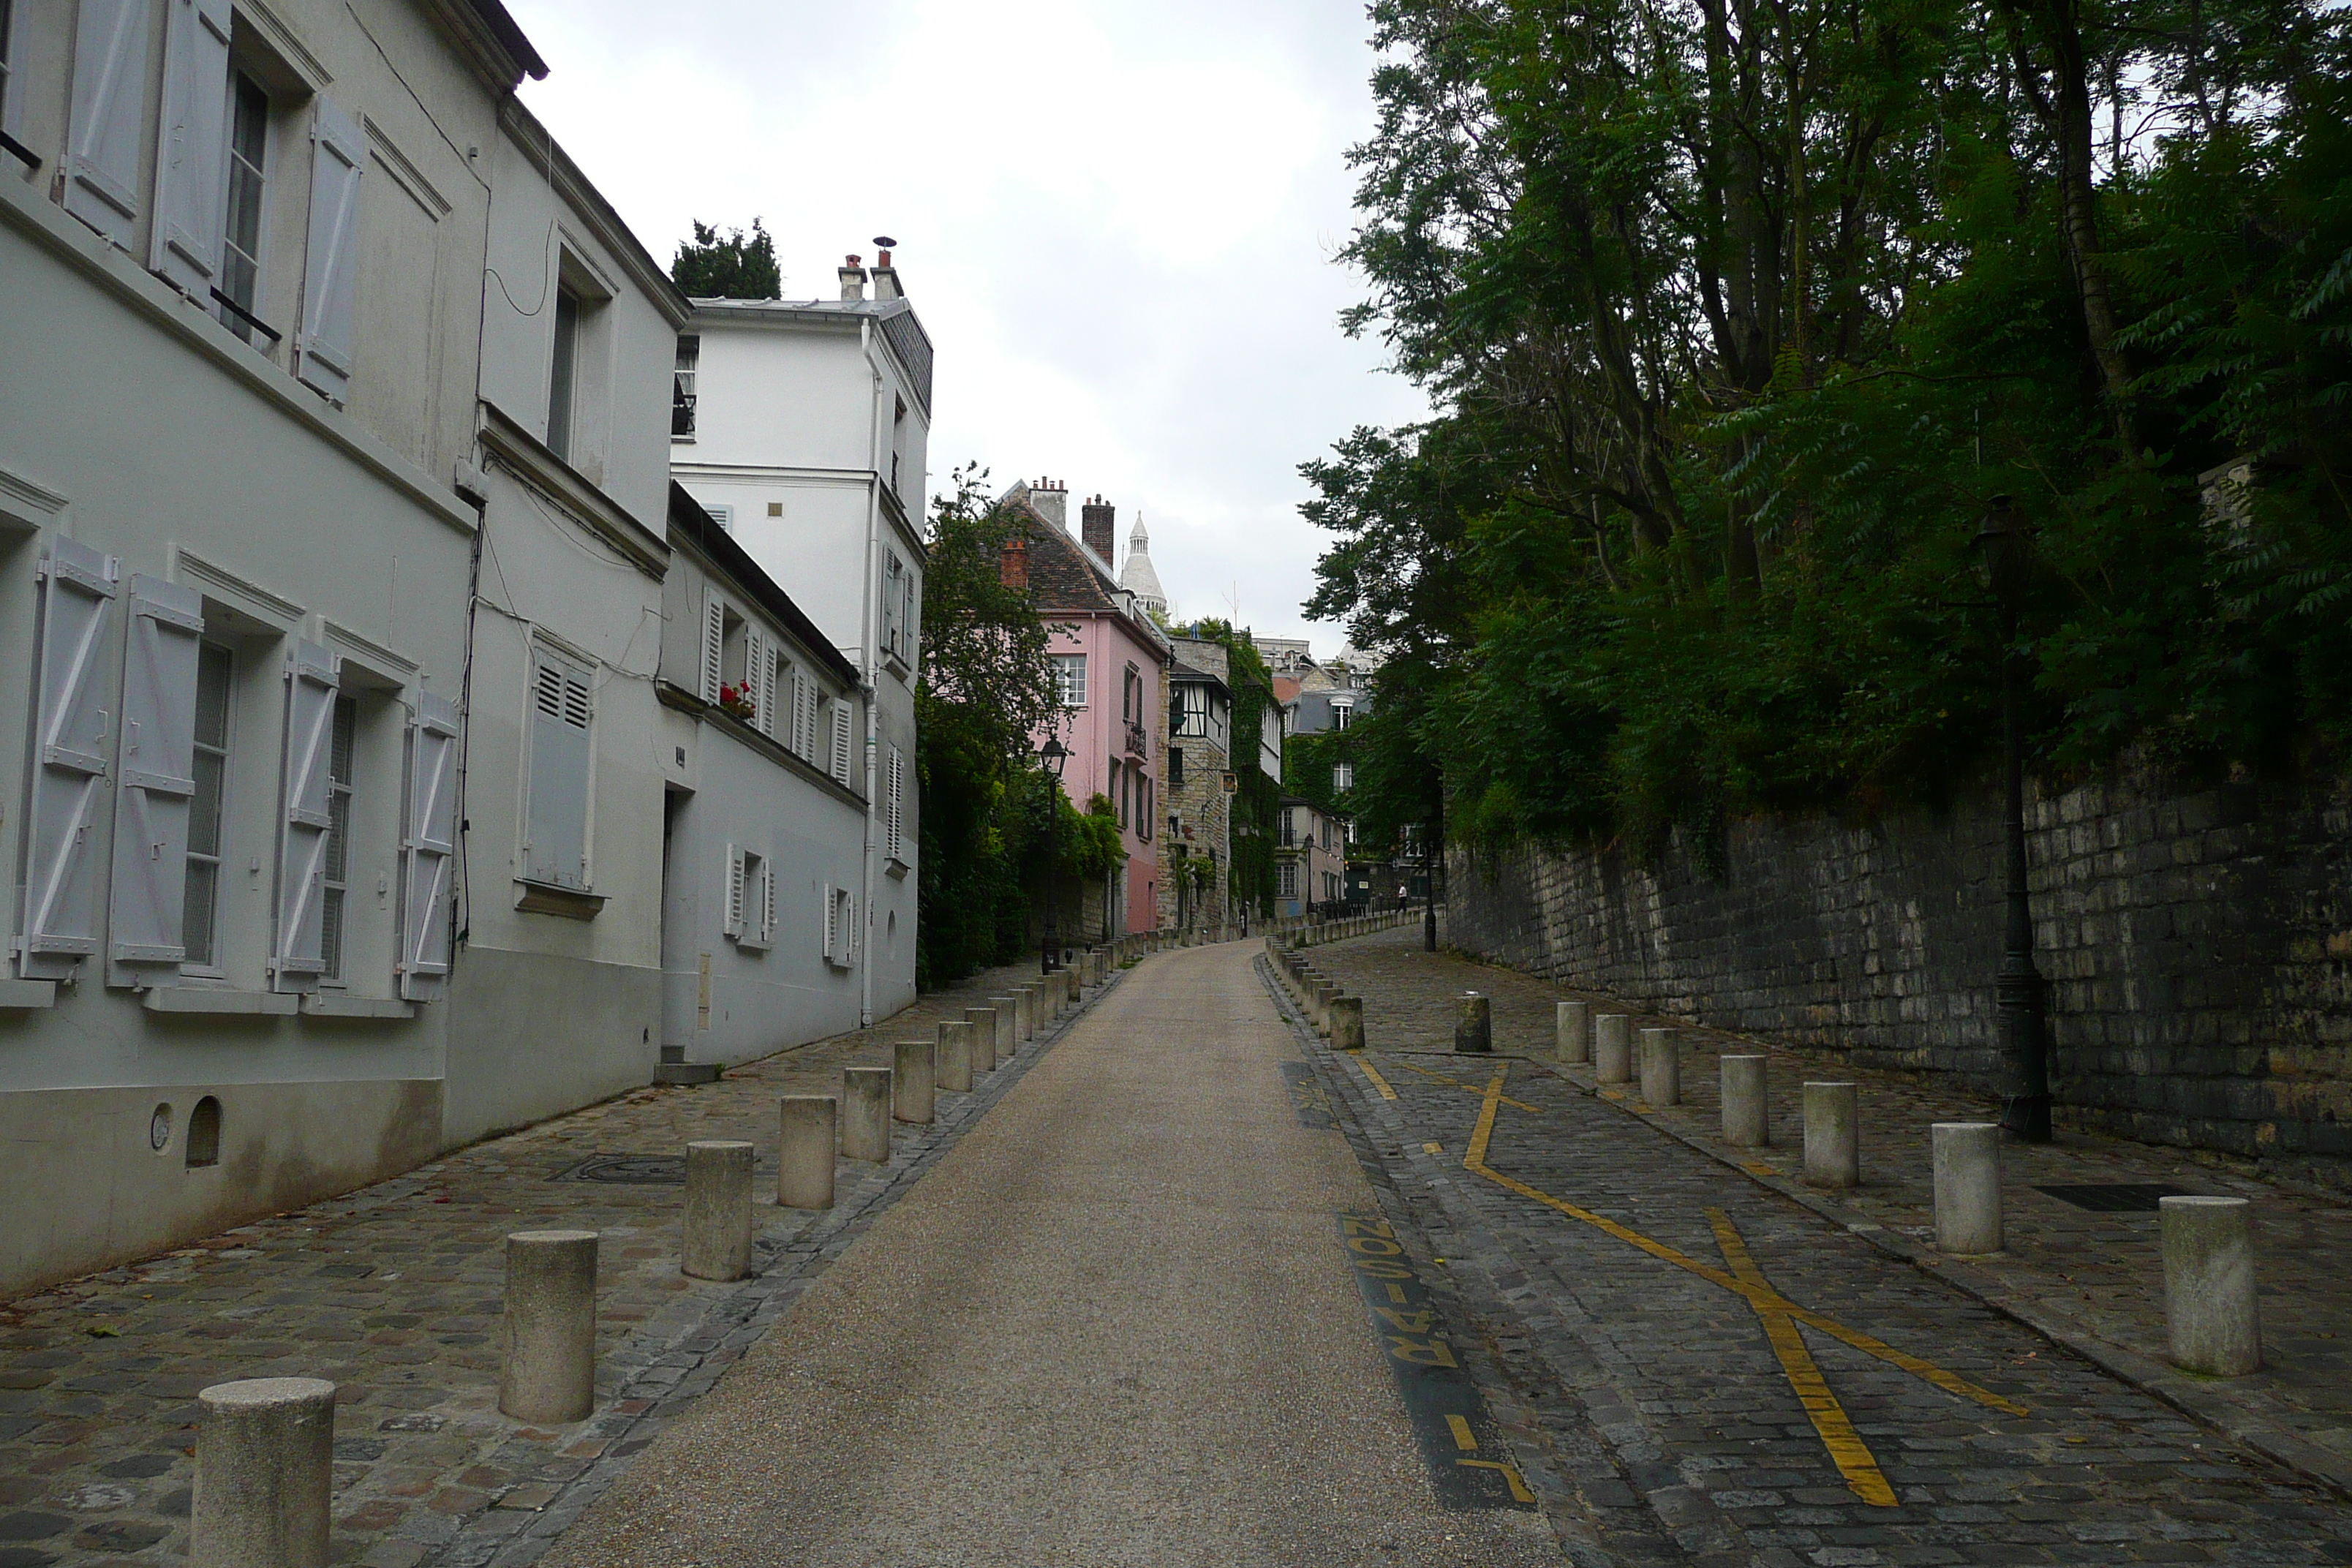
(207, 809)
(555, 841)
(738, 674)
(750, 898)
(248, 151)
(840, 927)
(335, 889)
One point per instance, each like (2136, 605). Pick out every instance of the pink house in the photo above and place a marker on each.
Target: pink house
(1109, 656)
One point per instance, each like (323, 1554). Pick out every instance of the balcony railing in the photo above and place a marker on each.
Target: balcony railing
(1139, 741)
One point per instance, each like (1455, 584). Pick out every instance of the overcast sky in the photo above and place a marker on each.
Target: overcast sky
(1116, 220)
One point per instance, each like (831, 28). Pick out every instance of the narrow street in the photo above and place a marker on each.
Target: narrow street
(1119, 1323)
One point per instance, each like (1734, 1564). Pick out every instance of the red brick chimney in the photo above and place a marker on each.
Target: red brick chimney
(1095, 519)
(1013, 563)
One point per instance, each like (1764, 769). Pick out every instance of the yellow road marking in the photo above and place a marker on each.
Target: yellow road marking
(1514, 1104)
(1475, 1162)
(1462, 1437)
(1761, 1169)
(1847, 1451)
(1432, 1148)
(1374, 1073)
(1520, 1492)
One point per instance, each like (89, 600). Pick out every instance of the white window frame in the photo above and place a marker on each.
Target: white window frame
(1343, 776)
(564, 371)
(1070, 678)
(232, 160)
(335, 892)
(210, 967)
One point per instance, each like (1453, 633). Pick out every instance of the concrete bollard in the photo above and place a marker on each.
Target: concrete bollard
(2208, 1285)
(1832, 1135)
(1746, 1113)
(1612, 1048)
(984, 1040)
(1572, 1027)
(265, 1474)
(1474, 1029)
(953, 1062)
(1008, 1030)
(1967, 1159)
(866, 1113)
(548, 1376)
(913, 1064)
(1071, 989)
(1661, 1066)
(1024, 1009)
(1347, 1022)
(718, 1240)
(804, 1165)
(1325, 995)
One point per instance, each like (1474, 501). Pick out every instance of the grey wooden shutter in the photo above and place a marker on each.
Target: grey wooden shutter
(733, 924)
(298, 956)
(327, 344)
(61, 924)
(192, 146)
(428, 848)
(755, 650)
(767, 903)
(898, 821)
(109, 112)
(714, 644)
(841, 738)
(803, 740)
(158, 779)
(556, 848)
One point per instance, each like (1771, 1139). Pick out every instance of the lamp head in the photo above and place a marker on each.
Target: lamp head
(1055, 755)
(2002, 542)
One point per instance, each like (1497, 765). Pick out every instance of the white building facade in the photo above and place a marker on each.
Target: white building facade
(764, 830)
(243, 253)
(802, 430)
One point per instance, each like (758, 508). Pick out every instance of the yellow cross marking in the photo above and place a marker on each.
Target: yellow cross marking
(1846, 1449)
(1759, 1296)
(1514, 1104)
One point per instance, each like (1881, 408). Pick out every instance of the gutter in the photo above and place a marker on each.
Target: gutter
(869, 658)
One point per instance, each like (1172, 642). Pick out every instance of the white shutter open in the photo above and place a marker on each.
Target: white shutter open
(898, 821)
(754, 650)
(157, 780)
(714, 644)
(297, 954)
(841, 738)
(327, 345)
(192, 146)
(829, 923)
(77, 590)
(735, 890)
(556, 841)
(771, 723)
(109, 112)
(767, 903)
(804, 711)
(428, 848)
(850, 930)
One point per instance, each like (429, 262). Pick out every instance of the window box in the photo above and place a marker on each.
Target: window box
(543, 899)
(203, 1000)
(334, 1005)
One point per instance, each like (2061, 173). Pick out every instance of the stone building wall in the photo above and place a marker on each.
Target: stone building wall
(1198, 802)
(2198, 944)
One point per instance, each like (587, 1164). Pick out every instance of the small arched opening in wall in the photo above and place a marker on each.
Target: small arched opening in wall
(203, 1133)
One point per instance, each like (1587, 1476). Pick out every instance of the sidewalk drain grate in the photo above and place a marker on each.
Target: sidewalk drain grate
(2116, 1197)
(628, 1170)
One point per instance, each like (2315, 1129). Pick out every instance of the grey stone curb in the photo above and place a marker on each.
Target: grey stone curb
(676, 1375)
(1468, 1295)
(2200, 1401)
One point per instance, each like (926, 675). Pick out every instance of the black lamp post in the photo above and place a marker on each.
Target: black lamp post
(2006, 544)
(1055, 755)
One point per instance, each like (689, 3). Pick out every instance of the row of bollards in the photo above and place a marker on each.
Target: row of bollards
(2209, 1298)
(265, 1449)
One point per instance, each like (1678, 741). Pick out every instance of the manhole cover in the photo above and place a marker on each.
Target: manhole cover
(629, 1170)
(2116, 1197)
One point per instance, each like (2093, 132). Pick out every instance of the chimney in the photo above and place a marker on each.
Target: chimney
(1013, 563)
(1052, 499)
(853, 279)
(1094, 527)
(885, 277)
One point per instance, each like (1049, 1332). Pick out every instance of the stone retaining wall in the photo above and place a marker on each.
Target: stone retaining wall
(2198, 941)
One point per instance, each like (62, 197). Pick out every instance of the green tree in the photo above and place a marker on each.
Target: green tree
(733, 266)
(1735, 319)
(985, 693)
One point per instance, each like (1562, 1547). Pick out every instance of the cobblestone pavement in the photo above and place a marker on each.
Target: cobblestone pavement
(393, 1293)
(1698, 1423)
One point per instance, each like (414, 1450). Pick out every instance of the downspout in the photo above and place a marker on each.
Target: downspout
(871, 662)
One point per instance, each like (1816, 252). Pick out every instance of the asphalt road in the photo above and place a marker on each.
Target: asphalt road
(1116, 1325)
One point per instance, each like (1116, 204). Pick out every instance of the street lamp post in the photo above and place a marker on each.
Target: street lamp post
(1055, 755)
(2005, 545)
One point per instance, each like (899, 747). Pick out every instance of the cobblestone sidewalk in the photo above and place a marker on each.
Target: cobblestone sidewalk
(393, 1293)
(2090, 1278)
